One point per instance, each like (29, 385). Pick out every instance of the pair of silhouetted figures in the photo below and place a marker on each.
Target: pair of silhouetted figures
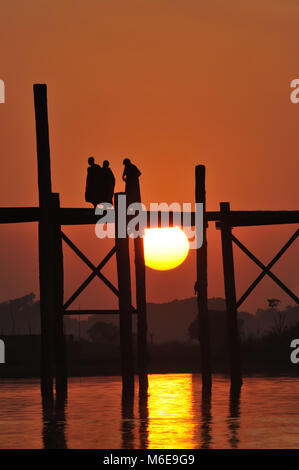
(100, 182)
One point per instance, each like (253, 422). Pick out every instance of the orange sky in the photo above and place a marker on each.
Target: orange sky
(172, 83)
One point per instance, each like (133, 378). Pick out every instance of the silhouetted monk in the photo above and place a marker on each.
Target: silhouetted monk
(93, 191)
(131, 177)
(108, 182)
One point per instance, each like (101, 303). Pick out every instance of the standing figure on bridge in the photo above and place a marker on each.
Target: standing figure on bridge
(108, 181)
(131, 177)
(93, 190)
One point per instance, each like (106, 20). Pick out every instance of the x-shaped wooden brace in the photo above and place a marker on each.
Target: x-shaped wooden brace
(95, 271)
(266, 269)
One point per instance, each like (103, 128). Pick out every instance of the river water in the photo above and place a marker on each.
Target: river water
(265, 415)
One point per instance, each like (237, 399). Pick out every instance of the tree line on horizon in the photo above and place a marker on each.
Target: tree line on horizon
(93, 344)
(21, 316)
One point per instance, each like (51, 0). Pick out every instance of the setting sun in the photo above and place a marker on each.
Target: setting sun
(165, 248)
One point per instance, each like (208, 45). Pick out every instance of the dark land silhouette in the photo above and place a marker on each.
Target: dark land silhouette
(93, 345)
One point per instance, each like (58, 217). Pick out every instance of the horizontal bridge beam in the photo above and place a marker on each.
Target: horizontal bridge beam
(236, 218)
(87, 216)
(11, 215)
(83, 216)
(257, 218)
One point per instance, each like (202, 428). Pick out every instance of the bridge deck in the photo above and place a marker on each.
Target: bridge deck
(83, 216)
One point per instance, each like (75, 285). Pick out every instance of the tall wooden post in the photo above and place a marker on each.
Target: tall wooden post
(57, 267)
(44, 236)
(202, 283)
(53, 354)
(125, 301)
(230, 296)
(141, 315)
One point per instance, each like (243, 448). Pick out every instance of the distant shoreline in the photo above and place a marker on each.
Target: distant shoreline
(12, 373)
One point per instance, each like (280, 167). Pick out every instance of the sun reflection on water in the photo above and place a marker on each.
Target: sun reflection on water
(170, 402)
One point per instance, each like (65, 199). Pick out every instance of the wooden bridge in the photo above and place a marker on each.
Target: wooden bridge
(51, 218)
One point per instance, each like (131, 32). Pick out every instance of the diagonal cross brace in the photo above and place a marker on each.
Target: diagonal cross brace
(266, 269)
(95, 269)
(90, 278)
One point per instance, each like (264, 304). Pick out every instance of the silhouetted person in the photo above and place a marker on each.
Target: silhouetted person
(131, 177)
(108, 182)
(93, 183)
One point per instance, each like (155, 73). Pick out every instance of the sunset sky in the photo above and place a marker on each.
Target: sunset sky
(170, 83)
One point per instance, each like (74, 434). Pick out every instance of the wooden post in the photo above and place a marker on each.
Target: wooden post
(141, 315)
(57, 268)
(230, 296)
(42, 143)
(202, 283)
(124, 288)
(44, 236)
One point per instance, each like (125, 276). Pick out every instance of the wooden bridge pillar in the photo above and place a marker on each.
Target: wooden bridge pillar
(202, 283)
(44, 237)
(230, 296)
(58, 311)
(125, 308)
(47, 320)
(50, 260)
(141, 315)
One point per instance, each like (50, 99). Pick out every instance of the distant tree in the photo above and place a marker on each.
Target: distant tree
(273, 303)
(101, 332)
(23, 303)
(15, 315)
(280, 326)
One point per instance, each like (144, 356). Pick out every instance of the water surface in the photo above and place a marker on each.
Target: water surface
(265, 415)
